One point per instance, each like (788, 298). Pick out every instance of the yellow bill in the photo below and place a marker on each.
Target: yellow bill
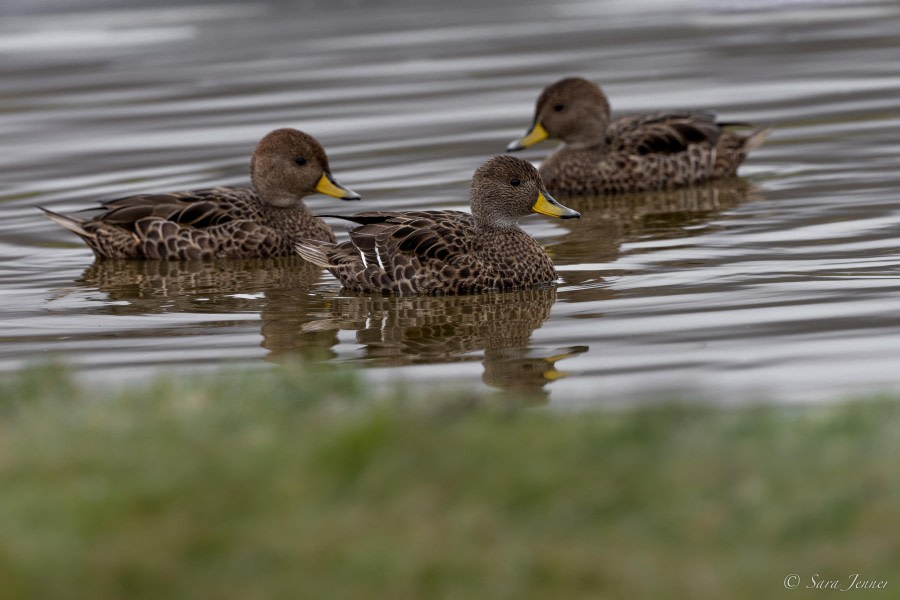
(327, 185)
(552, 374)
(547, 205)
(573, 351)
(537, 134)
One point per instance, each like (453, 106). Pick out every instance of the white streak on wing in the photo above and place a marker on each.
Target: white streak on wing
(378, 257)
(363, 257)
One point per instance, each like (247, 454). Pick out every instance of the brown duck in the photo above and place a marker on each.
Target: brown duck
(446, 251)
(220, 222)
(633, 153)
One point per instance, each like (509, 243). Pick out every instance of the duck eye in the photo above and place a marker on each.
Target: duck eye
(559, 108)
(300, 161)
(514, 182)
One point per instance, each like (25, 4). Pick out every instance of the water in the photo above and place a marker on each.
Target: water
(782, 285)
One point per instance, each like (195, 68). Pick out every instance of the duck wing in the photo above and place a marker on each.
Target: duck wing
(408, 252)
(195, 225)
(420, 235)
(197, 209)
(663, 133)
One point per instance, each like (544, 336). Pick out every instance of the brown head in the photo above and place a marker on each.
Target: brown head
(506, 188)
(573, 110)
(288, 165)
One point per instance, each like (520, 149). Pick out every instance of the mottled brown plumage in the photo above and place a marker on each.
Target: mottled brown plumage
(632, 153)
(220, 222)
(449, 252)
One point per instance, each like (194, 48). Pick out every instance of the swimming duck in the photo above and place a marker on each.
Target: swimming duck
(447, 251)
(632, 153)
(220, 222)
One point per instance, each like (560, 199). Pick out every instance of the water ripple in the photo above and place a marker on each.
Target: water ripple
(782, 285)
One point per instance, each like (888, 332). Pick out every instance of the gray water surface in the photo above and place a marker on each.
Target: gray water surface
(781, 285)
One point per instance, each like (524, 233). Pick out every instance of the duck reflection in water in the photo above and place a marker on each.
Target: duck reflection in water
(494, 327)
(273, 286)
(296, 320)
(609, 221)
(218, 286)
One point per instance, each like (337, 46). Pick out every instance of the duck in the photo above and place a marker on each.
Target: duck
(220, 222)
(446, 251)
(632, 153)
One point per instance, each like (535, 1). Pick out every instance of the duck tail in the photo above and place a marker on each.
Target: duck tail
(756, 138)
(315, 251)
(71, 223)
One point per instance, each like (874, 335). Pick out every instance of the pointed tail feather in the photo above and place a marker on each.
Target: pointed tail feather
(71, 223)
(315, 251)
(756, 138)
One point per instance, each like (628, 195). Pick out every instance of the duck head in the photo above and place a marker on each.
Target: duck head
(288, 165)
(506, 188)
(573, 110)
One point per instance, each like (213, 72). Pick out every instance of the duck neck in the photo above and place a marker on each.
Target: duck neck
(593, 139)
(591, 133)
(595, 145)
(495, 224)
(289, 218)
(285, 210)
(279, 199)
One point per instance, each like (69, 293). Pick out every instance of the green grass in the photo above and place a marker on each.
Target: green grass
(292, 483)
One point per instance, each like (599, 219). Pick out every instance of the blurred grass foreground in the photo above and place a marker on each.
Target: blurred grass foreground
(293, 484)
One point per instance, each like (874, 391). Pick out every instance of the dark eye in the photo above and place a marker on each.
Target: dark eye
(514, 182)
(300, 161)
(559, 108)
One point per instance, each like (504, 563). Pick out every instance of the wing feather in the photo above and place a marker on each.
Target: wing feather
(408, 251)
(663, 133)
(199, 209)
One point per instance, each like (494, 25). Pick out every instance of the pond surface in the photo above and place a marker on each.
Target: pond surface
(781, 285)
